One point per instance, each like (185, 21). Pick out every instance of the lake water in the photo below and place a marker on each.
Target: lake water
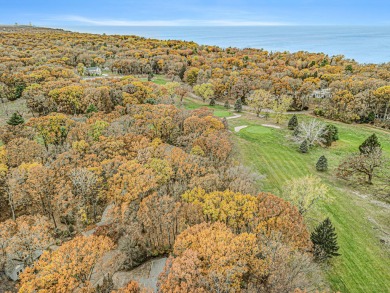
(365, 44)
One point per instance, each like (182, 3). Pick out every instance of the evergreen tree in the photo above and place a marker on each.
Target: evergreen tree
(369, 145)
(304, 147)
(212, 102)
(324, 240)
(293, 122)
(150, 101)
(371, 117)
(238, 105)
(92, 109)
(15, 119)
(181, 72)
(296, 131)
(322, 164)
(349, 68)
(227, 105)
(331, 134)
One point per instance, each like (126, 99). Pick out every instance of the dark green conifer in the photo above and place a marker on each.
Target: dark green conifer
(92, 109)
(15, 119)
(322, 164)
(293, 122)
(181, 72)
(238, 105)
(304, 147)
(296, 131)
(212, 102)
(150, 101)
(369, 145)
(324, 240)
(371, 117)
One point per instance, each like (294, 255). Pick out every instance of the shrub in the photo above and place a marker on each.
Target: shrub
(322, 164)
(227, 105)
(293, 122)
(304, 147)
(369, 144)
(238, 105)
(91, 109)
(150, 101)
(318, 112)
(296, 132)
(212, 102)
(15, 119)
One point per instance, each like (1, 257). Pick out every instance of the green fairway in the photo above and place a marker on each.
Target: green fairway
(219, 111)
(364, 262)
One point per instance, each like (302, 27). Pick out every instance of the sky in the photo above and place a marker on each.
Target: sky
(64, 13)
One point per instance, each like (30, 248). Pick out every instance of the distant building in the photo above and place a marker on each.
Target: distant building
(321, 94)
(93, 71)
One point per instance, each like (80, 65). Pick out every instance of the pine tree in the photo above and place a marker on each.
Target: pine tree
(92, 109)
(369, 145)
(212, 102)
(293, 122)
(304, 147)
(15, 119)
(238, 105)
(181, 72)
(296, 131)
(322, 164)
(324, 240)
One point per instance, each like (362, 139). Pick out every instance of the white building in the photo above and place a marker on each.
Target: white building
(92, 71)
(321, 94)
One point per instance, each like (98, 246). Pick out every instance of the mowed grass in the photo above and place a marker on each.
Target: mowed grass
(157, 79)
(364, 264)
(218, 110)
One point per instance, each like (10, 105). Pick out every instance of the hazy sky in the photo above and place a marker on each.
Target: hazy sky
(204, 12)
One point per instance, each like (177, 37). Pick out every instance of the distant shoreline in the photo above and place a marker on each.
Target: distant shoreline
(364, 44)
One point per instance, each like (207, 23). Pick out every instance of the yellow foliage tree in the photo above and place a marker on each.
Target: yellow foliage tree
(66, 269)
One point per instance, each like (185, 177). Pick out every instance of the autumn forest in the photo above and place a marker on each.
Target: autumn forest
(119, 151)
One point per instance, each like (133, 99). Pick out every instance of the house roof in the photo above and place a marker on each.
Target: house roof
(92, 68)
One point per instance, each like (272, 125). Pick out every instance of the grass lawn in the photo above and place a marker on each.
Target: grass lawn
(219, 111)
(364, 262)
(157, 79)
(9, 107)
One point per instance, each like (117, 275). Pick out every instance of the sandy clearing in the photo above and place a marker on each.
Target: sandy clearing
(238, 128)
